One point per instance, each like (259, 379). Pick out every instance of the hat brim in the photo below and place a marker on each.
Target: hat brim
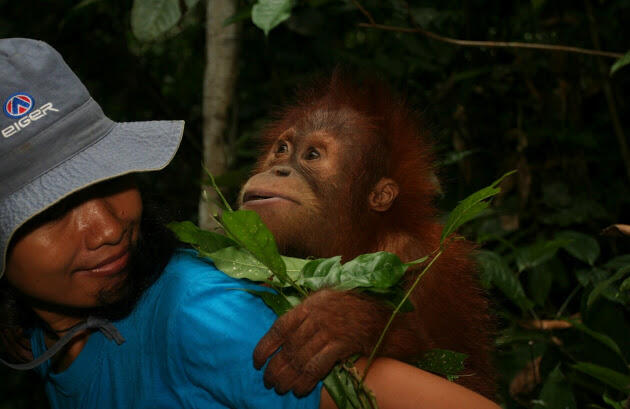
(128, 147)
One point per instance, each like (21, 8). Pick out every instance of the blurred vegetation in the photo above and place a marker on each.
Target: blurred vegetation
(560, 288)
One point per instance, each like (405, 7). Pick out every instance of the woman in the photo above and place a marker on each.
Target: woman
(117, 316)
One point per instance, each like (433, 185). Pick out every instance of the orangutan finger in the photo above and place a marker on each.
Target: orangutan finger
(277, 370)
(303, 352)
(317, 368)
(276, 336)
(298, 344)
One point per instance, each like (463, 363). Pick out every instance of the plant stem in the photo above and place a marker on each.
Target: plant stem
(216, 188)
(395, 312)
(566, 302)
(493, 44)
(363, 393)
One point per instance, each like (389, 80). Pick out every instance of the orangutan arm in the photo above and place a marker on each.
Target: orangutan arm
(327, 327)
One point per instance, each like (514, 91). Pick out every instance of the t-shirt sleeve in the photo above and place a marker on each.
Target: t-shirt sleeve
(213, 335)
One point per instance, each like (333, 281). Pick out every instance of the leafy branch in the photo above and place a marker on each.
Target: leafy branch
(249, 251)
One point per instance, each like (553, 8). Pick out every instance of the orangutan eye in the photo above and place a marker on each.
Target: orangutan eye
(312, 154)
(282, 147)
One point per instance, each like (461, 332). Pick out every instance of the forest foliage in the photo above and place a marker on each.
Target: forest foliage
(560, 286)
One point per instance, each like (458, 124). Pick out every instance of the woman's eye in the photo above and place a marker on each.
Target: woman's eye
(282, 148)
(312, 154)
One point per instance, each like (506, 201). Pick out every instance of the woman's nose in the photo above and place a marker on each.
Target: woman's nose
(100, 223)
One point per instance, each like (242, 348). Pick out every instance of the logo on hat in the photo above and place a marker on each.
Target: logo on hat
(18, 105)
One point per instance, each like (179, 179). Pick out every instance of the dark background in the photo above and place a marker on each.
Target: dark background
(490, 111)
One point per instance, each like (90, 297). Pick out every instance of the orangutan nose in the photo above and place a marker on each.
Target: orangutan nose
(282, 171)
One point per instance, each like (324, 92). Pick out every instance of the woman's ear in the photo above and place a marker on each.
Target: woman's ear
(383, 195)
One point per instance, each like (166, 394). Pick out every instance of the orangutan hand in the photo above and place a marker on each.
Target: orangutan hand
(325, 328)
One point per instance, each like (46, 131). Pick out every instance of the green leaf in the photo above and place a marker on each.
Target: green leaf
(455, 156)
(203, 240)
(339, 385)
(618, 262)
(393, 297)
(191, 3)
(267, 14)
(625, 286)
(608, 376)
(537, 253)
(599, 288)
(622, 62)
(84, 3)
(248, 230)
(538, 4)
(239, 263)
(539, 283)
(579, 245)
(470, 207)
(443, 362)
(416, 262)
(556, 392)
(377, 271)
(603, 338)
(294, 266)
(277, 302)
(592, 276)
(240, 15)
(614, 404)
(494, 271)
(152, 18)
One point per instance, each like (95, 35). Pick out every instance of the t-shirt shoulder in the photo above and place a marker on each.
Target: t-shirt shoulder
(212, 329)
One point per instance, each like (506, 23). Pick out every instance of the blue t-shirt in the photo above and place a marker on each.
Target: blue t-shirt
(189, 344)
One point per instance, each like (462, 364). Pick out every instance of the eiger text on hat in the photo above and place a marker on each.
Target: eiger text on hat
(56, 140)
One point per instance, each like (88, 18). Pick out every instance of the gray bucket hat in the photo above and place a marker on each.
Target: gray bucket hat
(55, 139)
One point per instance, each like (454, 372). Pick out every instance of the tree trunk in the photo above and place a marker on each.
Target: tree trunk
(218, 88)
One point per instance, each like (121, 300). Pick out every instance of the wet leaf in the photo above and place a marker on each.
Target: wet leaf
(377, 271)
(248, 230)
(239, 263)
(203, 240)
(443, 362)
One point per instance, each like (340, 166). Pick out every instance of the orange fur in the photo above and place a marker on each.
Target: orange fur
(451, 310)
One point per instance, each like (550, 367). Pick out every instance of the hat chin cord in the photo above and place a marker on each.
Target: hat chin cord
(103, 325)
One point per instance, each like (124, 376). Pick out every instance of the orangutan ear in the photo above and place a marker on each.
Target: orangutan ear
(383, 195)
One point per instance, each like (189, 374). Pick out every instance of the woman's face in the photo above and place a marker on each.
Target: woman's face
(79, 248)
